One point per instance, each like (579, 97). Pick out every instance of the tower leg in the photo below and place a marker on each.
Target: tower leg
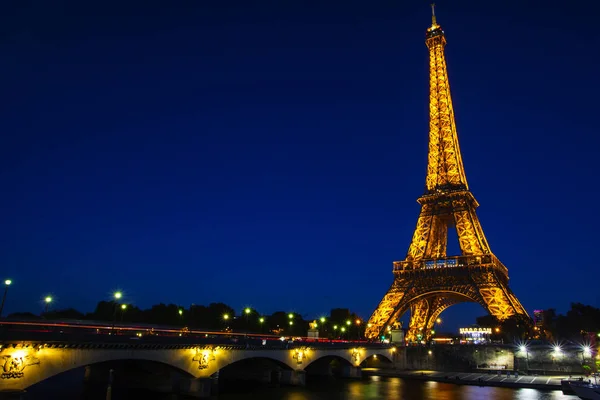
(388, 309)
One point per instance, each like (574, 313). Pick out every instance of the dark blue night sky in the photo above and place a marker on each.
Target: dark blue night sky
(272, 155)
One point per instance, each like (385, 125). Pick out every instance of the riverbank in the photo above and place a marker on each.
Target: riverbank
(538, 382)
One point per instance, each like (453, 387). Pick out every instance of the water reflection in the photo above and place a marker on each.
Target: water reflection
(369, 388)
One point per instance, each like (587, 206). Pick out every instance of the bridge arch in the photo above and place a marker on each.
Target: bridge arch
(327, 359)
(425, 307)
(25, 367)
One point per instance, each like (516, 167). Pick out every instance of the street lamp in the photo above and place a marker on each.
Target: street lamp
(247, 310)
(117, 296)
(225, 317)
(180, 311)
(7, 283)
(123, 308)
(47, 300)
(523, 349)
(586, 351)
(290, 316)
(322, 320)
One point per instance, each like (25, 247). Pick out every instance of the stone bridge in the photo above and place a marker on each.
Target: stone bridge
(26, 363)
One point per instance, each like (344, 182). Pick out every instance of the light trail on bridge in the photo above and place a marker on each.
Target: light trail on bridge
(145, 331)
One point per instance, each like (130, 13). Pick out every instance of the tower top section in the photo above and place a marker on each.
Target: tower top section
(445, 171)
(434, 30)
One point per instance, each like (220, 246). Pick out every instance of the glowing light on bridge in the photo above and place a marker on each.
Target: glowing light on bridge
(557, 350)
(299, 355)
(523, 348)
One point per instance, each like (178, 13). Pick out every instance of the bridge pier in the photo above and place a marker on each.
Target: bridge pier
(199, 388)
(349, 371)
(293, 377)
(13, 395)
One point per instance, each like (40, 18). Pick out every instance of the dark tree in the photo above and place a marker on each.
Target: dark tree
(69, 313)
(23, 315)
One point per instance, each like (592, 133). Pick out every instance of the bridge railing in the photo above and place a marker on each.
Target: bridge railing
(58, 332)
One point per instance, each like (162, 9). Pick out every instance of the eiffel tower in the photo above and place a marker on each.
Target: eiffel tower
(429, 281)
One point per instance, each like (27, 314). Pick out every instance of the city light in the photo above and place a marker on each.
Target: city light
(247, 310)
(348, 322)
(335, 327)
(123, 306)
(290, 315)
(291, 323)
(47, 300)
(587, 351)
(261, 320)
(225, 317)
(439, 320)
(523, 348)
(343, 329)
(322, 320)
(358, 322)
(180, 311)
(8, 283)
(118, 295)
(557, 349)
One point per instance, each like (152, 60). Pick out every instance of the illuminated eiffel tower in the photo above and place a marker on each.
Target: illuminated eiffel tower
(428, 281)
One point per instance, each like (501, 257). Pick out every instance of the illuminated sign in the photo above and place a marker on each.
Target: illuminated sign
(471, 331)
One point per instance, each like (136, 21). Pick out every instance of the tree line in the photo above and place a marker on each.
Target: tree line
(340, 322)
(580, 324)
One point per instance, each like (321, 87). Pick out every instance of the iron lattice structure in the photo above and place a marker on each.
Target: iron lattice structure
(428, 281)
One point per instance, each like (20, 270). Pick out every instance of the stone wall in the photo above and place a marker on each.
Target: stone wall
(541, 359)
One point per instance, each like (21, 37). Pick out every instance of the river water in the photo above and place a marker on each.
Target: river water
(371, 387)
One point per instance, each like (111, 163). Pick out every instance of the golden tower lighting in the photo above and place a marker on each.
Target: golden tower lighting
(429, 281)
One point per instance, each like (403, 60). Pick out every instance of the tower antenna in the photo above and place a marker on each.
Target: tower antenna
(433, 20)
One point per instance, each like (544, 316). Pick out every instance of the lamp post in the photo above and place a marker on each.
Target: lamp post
(117, 297)
(525, 350)
(585, 351)
(47, 300)
(247, 312)
(123, 308)
(225, 320)
(7, 283)
(349, 324)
